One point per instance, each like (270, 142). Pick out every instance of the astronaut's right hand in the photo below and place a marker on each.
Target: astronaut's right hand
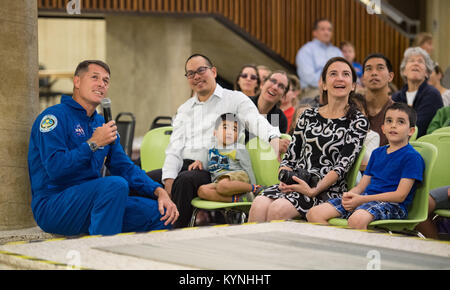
(105, 134)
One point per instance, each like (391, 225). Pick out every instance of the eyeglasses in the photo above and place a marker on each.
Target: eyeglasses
(252, 77)
(200, 71)
(279, 85)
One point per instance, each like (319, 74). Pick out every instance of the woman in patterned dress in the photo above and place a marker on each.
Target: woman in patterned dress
(326, 142)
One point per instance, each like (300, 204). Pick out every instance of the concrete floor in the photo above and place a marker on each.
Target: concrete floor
(273, 246)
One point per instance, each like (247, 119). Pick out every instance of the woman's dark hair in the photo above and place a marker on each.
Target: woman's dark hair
(352, 107)
(237, 87)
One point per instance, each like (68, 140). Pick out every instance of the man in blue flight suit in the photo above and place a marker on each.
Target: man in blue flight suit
(69, 144)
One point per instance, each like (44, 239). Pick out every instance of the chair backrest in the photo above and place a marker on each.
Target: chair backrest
(414, 135)
(440, 173)
(442, 130)
(352, 174)
(126, 131)
(153, 148)
(419, 207)
(264, 161)
(161, 121)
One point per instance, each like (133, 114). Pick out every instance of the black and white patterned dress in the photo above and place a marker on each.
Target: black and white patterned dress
(320, 145)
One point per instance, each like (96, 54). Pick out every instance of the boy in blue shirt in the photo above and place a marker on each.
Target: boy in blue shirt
(389, 182)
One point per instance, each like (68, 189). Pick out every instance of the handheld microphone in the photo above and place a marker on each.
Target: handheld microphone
(106, 105)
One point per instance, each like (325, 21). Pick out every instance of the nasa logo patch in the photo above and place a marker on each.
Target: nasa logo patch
(48, 123)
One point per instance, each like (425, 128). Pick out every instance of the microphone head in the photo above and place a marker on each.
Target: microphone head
(106, 103)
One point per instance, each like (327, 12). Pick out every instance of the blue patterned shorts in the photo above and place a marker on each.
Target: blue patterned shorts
(379, 209)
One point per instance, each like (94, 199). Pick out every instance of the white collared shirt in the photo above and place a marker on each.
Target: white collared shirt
(193, 127)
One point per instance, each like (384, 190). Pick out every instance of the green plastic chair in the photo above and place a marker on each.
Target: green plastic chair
(153, 148)
(442, 212)
(418, 211)
(442, 130)
(440, 174)
(352, 175)
(265, 168)
(264, 161)
(414, 135)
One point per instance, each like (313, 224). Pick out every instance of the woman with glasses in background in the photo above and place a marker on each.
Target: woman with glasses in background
(272, 91)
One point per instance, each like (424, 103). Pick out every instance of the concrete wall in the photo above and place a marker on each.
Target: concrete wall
(18, 108)
(438, 23)
(63, 43)
(147, 57)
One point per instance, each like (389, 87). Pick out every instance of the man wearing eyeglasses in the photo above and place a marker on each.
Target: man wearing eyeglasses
(193, 129)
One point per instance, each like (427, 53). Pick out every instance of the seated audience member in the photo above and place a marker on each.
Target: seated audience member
(415, 68)
(439, 198)
(440, 120)
(312, 57)
(263, 73)
(372, 140)
(290, 99)
(248, 81)
(389, 182)
(272, 91)
(325, 144)
(435, 81)
(229, 164)
(69, 145)
(424, 40)
(193, 129)
(377, 75)
(348, 50)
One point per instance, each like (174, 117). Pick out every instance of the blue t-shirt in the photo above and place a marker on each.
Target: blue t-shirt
(386, 170)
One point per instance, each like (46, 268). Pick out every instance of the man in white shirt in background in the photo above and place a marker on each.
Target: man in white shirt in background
(313, 56)
(193, 129)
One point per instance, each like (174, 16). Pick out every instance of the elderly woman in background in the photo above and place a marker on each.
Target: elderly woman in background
(248, 81)
(416, 68)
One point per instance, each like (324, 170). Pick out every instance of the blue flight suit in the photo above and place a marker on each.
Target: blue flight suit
(69, 195)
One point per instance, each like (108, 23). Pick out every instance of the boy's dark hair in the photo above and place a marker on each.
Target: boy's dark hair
(412, 116)
(84, 66)
(378, 55)
(229, 117)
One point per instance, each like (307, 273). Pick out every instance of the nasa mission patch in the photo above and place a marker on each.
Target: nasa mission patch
(48, 123)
